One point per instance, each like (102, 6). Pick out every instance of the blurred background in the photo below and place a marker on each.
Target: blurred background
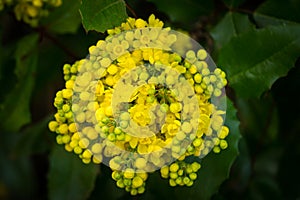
(268, 164)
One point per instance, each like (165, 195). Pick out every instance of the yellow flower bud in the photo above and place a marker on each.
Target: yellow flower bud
(223, 133)
(52, 126)
(137, 182)
(164, 171)
(174, 167)
(223, 144)
(86, 160)
(69, 84)
(73, 144)
(216, 149)
(96, 148)
(202, 54)
(172, 182)
(97, 159)
(175, 107)
(197, 142)
(112, 69)
(32, 11)
(63, 129)
(195, 166)
(83, 143)
(139, 23)
(87, 154)
(37, 3)
(68, 148)
(66, 139)
(72, 128)
(129, 173)
(67, 93)
(77, 150)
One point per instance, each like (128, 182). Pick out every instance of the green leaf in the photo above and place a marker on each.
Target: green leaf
(33, 139)
(64, 19)
(185, 12)
(109, 189)
(233, 3)
(68, 177)
(17, 174)
(15, 110)
(255, 60)
(101, 15)
(268, 13)
(232, 25)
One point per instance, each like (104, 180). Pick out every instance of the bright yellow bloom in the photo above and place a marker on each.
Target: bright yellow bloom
(130, 104)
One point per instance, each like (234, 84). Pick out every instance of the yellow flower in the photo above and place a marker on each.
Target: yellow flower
(154, 22)
(139, 23)
(99, 89)
(150, 123)
(140, 115)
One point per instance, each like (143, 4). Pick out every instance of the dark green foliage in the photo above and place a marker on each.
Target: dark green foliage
(257, 44)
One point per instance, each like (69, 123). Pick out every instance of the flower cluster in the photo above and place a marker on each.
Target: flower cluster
(181, 173)
(138, 105)
(30, 11)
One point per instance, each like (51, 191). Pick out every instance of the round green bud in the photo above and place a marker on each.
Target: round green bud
(127, 181)
(193, 176)
(180, 172)
(172, 182)
(59, 139)
(189, 169)
(195, 166)
(216, 149)
(111, 137)
(120, 183)
(186, 180)
(178, 180)
(164, 171)
(197, 142)
(190, 183)
(164, 107)
(202, 54)
(150, 99)
(190, 54)
(133, 192)
(205, 71)
(217, 92)
(77, 150)
(116, 175)
(223, 144)
(141, 190)
(173, 175)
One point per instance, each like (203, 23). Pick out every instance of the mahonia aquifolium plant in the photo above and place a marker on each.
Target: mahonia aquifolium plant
(143, 101)
(30, 11)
